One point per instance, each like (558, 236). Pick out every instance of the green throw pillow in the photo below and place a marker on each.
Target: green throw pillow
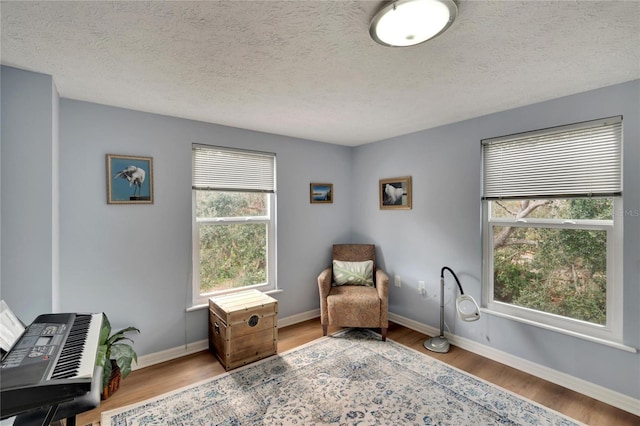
(353, 273)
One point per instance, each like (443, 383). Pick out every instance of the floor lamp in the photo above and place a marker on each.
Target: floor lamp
(466, 307)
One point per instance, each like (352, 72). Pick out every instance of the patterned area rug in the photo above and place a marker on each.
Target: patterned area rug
(349, 378)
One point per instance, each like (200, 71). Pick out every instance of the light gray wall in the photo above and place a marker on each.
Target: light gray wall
(134, 261)
(444, 228)
(29, 220)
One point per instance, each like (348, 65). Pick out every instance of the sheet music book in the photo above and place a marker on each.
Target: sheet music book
(11, 328)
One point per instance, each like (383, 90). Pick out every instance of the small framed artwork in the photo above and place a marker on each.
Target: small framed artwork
(321, 193)
(395, 193)
(129, 179)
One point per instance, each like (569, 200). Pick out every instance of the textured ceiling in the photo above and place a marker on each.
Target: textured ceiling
(309, 68)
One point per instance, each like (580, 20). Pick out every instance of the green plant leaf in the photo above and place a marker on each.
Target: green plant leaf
(120, 335)
(105, 331)
(124, 355)
(105, 375)
(115, 347)
(101, 355)
(103, 348)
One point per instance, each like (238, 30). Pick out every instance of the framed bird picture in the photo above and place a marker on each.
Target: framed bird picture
(129, 179)
(395, 193)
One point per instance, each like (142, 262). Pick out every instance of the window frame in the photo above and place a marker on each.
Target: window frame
(252, 186)
(587, 162)
(611, 331)
(270, 284)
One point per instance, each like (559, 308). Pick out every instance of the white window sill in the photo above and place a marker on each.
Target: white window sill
(206, 305)
(609, 343)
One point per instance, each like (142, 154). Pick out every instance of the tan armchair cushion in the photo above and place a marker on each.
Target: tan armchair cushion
(354, 305)
(355, 252)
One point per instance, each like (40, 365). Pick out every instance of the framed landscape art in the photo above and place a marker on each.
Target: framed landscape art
(129, 179)
(321, 193)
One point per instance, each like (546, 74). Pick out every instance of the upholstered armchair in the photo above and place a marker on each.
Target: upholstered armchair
(353, 293)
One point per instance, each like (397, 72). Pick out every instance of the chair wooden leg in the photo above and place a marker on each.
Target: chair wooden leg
(324, 329)
(384, 334)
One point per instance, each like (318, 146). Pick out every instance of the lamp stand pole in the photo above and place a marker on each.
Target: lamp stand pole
(439, 343)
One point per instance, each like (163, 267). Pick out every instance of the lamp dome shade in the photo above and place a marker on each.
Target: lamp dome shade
(467, 308)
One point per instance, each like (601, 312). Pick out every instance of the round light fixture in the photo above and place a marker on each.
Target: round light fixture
(409, 22)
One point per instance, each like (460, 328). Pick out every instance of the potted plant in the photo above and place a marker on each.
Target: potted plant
(119, 353)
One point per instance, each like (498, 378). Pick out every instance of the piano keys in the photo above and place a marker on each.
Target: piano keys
(52, 362)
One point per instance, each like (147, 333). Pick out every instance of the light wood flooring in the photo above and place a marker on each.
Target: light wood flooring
(155, 380)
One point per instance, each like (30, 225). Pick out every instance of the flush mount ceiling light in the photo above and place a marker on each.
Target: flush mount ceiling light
(409, 22)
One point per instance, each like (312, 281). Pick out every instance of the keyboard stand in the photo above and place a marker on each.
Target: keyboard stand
(65, 410)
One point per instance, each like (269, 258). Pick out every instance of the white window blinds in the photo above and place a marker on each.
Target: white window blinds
(225, 169)
(578, 160)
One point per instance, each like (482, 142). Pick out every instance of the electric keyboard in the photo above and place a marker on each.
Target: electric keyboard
(52, 362)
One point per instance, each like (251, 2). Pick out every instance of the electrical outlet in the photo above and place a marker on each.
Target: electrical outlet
(421, 288)
(396, 281)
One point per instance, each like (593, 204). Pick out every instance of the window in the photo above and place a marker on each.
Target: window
(233, 221)
(552, 226)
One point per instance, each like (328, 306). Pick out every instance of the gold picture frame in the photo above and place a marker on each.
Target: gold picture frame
(129, 179)
(395, 193)
(321, 193)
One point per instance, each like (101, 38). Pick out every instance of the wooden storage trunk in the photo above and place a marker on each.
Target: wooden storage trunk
(243, 327)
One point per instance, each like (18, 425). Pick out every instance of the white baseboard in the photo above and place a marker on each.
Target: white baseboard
(608, 396)
(294, 319)
(201, 345)
(169, 354)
